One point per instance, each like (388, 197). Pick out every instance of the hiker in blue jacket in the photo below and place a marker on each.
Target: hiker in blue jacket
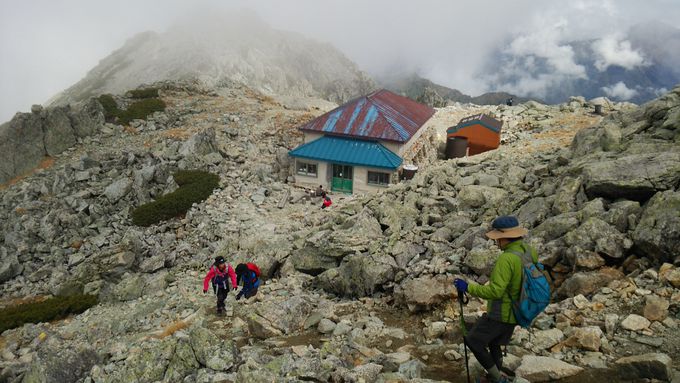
(496, 326)
(249, 275)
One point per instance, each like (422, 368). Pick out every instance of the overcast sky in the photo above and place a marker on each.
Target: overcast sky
(47, 45)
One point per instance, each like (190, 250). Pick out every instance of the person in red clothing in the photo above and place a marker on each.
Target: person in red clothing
(326, 202)
(218, 274)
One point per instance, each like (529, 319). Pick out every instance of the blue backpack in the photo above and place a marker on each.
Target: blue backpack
(535, 294)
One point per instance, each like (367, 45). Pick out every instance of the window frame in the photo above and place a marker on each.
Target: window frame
(380, 175)
(306, 172)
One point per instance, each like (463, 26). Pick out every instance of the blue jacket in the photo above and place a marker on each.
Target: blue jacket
(250, 280)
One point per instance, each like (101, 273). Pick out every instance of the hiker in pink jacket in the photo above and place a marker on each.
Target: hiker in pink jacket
(218, 274)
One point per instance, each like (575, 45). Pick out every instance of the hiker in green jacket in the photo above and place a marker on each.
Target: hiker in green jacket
(496, 326)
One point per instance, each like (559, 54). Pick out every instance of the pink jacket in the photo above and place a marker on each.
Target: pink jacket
(214, 272)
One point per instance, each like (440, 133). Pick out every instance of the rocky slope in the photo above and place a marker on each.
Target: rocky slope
(217, 46)
(358, 293)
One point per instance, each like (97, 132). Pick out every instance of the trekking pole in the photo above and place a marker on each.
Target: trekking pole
(463, 299)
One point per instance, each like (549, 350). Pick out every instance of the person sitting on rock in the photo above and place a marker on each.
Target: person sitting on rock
(218, 274)
(320, 192)
(326, 202)
(249, 274)
(496, 326)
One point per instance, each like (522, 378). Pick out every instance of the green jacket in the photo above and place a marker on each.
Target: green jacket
(506, 276)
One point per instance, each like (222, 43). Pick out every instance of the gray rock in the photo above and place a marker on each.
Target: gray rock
(547, 338)
(131, 287)
(646, 366)
(62, 364)
(22, 145)
(555, 227)
(566, 198)
(598, 236)
(326, 326)
(623, 215)
(533, 211)
(183, 361)
(587, 282)
(9, 267)
(200, 144)
(425, 292)
(359, 275)
(545, 369)
(342, 328)
(59, 134)
(481, 260)
(634, 322)
(212, 351)
(412, 369)
(635, 177)
(118, 189)
(88, 119)
(658, 232)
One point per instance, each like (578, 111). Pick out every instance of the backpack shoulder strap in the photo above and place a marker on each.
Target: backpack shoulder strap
(526, 257)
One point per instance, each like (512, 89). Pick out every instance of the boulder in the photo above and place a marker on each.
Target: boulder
(412, 369)
(545, 369)
(481, 260)
(598, 236)
(623, 215)
(212, 351)
(566, 197)
(9, 267)
(533, 211)
(658, 232)
(61, 364)
(656, 308)
(634, 322)
(646, 366)
(587, 282)
(424, 292)
(200, 144)
(326, 326)
(287, 316)
(118, 189)
(604, 137)
(547, 338)
(183, 361)
(22, 145)
(477, 196)
(636, 177)
(88, 119)
(586, 338)
(359, 275)
(59, 134)
(555, 227)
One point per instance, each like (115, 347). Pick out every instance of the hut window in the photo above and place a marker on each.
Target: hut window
(375, 178)
(306, 169)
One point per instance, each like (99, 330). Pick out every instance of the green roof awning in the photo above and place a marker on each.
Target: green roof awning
(348, 151)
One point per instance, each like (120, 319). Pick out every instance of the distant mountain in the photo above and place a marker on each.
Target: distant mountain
(428, 92)
(636, 66)
(220, 46)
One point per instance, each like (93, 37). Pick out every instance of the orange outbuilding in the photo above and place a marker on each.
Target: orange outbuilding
(482, 131)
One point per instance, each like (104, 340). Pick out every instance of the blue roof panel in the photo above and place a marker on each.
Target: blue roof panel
(348, 152)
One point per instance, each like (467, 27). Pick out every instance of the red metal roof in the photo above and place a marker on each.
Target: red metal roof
(380, 115)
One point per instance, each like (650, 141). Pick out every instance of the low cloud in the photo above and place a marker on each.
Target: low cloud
(620, 91)
(610, 50)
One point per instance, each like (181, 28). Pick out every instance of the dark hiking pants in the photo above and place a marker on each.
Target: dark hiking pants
(246, 294)
(221, 296)
(485, 340)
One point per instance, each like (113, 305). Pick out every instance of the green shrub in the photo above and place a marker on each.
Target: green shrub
(194, 186)
(45, 311)
(111, 110)
(139, 110)
(144, 93)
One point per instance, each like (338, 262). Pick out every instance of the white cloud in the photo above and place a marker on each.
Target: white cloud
(610, 50)
(620, 91)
